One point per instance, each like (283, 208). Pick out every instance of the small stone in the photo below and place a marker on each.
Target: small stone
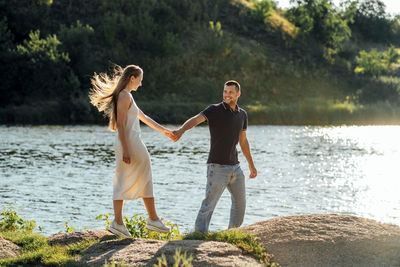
(8, 248)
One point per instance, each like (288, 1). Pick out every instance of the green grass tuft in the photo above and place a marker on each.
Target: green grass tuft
(26, 240)
(35, 250)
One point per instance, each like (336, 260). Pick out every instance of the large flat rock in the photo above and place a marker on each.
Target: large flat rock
(144, 252)
(329, 240)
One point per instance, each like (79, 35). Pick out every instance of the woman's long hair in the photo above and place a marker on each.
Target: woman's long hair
(106, 88)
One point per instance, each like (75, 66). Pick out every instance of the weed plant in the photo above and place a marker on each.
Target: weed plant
(180, 259)
(136, 225)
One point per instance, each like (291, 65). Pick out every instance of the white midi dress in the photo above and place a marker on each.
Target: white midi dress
(132, 180)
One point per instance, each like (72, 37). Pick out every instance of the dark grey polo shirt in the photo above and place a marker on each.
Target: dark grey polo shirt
(225, 126)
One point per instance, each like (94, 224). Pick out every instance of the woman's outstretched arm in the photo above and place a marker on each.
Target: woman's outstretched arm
(153, 124)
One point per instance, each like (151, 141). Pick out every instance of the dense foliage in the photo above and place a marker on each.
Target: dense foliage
(49, 49)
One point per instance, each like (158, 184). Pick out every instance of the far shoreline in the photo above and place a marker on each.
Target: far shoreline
(309, 112)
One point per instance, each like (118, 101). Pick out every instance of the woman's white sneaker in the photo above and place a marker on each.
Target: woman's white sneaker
(157, 225)
(119, 229)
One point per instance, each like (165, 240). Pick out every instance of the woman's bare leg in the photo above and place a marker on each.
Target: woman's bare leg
(151, 209)
(118, 204)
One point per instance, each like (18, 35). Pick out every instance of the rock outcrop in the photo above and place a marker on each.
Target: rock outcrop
(144, 252)
(329, 240)
(8, 248)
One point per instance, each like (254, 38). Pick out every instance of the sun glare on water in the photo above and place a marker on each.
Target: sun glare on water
(376, 169)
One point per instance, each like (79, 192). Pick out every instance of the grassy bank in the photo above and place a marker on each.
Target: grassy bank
(36, 251)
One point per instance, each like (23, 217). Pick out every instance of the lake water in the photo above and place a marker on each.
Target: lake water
(58, 174)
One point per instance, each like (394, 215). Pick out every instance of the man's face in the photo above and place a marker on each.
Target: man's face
(230, 94)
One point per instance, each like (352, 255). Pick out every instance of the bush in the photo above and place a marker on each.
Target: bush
(261, 10)
(376, 63)
(11, 222)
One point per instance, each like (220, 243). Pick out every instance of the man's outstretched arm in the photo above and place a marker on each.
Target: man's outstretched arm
(244, 145)
(189, 124)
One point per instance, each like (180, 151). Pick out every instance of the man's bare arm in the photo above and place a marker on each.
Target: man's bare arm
(189, 124)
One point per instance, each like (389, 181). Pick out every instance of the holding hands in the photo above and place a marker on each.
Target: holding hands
(178, 134)
(173, 135)
(189, 124)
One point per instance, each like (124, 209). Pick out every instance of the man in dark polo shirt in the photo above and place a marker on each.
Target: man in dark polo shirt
(228, 124)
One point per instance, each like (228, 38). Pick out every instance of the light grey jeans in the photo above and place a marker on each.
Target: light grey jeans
(220, 177)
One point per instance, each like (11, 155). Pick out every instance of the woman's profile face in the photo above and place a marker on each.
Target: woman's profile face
(137, 81)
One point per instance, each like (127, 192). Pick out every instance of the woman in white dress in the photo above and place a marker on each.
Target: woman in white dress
(133, 175)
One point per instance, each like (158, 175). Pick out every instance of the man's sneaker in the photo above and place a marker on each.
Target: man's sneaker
(119, 229)
(157, 225)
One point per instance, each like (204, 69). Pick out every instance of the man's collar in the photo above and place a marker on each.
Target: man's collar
(226, 106)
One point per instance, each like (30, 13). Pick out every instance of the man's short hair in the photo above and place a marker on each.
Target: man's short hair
(234, 83)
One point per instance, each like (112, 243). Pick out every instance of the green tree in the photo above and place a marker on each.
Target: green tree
(261, 10)
(35, 70)
(23, 16)
(45, 73)
(320, 20)
(373, 23)
(77, 40)
(6, 38)
(42, 50)
(6, 62)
